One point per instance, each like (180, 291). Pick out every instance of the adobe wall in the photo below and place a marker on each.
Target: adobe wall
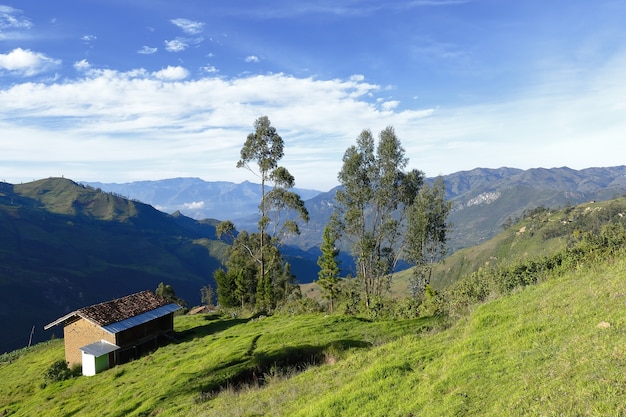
(79, 334)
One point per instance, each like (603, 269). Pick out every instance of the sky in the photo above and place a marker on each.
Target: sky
(129, 90)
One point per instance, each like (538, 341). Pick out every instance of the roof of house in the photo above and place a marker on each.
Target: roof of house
(123, 310)
(141, 318)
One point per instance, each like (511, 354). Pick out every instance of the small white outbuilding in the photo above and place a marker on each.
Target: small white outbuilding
(98, 357)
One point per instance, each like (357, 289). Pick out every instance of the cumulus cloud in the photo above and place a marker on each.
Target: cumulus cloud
(190, 27)
(168, 128)
(390, 105)
(194, 205)
(82, 65)
(172, 73)
(88, 38)
(26, 62)
(176, 45)
(119, 126)
(252, 58)
(146, 50)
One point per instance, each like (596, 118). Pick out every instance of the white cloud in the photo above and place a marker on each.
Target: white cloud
(11, 18)
(177, 45)
(172, 73)
(252, 58)
(26, 62)
(88, 38)
(390, 105)
(143, 125)
(146, 50)
(209, 69)
(122, 126)
(82, 65)
(188, 26)
(194, 205)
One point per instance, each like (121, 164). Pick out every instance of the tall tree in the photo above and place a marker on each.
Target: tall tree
(260, 154)
(428, 231)
(373, 202)
(328, 275)
(264, 147)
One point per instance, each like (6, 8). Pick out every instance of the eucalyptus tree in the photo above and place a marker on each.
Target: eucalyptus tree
(428, 231)
(373, 203)
(260, 154)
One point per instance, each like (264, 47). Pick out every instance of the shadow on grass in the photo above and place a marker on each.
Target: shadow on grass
(263, 367)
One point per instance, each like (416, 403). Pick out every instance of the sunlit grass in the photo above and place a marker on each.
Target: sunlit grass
(538, 351)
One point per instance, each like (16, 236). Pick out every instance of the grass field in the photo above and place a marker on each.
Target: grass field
(554, 349)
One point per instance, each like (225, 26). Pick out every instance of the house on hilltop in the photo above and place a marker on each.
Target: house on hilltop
(110, 333)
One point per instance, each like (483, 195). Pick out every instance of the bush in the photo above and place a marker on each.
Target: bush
(432, 304)
(300, 306)
(407, 308)
(59, 371)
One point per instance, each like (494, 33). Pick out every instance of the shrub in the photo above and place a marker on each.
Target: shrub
(59, 371)
(300, 306)
(407, 308)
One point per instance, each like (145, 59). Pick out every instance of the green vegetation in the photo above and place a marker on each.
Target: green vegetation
(384, 215)
(533, 324)
(65, 246)
(552, 348)
(328, 275)
(541, 232)
(213, 358)
(427, 234)
(256, 274)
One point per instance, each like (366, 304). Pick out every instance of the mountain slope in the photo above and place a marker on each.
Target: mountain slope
(65, 246)
(551, 349)
(543, 232)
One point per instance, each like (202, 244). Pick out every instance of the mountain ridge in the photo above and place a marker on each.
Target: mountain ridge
(483, 199)
(64, 246)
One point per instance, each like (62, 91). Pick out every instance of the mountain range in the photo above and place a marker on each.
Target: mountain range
(65, 245)
(483, 199)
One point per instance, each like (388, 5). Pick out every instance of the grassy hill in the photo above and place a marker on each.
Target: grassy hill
(64, 246)
(542, 232)
(553, 349)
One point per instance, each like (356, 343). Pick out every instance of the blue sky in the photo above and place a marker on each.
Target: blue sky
(118, 91)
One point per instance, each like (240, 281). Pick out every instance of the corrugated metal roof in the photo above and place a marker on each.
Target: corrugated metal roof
(99, 348)
(141, 318)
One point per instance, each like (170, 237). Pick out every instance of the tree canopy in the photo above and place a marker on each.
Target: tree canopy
(378, 202)
(256, 272)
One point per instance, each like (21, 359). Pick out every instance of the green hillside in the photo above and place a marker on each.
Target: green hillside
(553, 349)
(64, 246)
(541, 232)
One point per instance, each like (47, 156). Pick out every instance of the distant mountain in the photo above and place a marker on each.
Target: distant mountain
(483, 199)
(195, 197)
(64, 246)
